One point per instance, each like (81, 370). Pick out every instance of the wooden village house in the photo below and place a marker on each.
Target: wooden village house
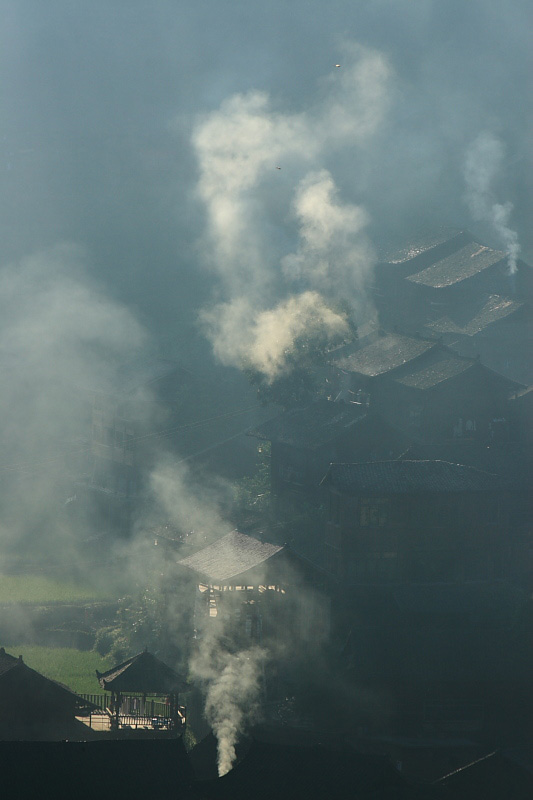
(430, 521)
(467, 274)
(432, 275)
(451, 287)
(84, 770)
(435, 665)
(427, 390)
(392, 295)
(496, 328)
(256, 592)
(304, 441)
(428, 561)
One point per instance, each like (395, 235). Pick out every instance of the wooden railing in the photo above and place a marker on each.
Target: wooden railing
(137, 712)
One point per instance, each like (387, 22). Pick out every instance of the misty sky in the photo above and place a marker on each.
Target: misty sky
(99, 102)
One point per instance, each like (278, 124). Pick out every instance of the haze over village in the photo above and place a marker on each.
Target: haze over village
(265, 344)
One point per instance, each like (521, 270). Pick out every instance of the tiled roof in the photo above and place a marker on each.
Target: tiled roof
(40, 683)
(313, 426)
(465, 263)
(230, 556)
(141, 673)
(470, 322)
(290, 764)
(113, 768)
(492, 776)
(387, 353)
(7, 661)
(405, 477)
(443, 366)
(509, 460)
(418, 244)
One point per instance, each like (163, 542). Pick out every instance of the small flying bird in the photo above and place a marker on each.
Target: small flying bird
(278, 167)
(337, 65)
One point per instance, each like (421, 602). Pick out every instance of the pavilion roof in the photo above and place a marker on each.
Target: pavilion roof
(141, 673)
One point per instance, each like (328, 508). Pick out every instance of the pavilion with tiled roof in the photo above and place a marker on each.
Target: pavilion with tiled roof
(143, 674)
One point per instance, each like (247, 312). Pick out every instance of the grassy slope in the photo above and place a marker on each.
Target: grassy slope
(74, 668)
(41, 589)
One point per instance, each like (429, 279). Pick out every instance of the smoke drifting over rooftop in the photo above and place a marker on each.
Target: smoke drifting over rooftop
(238, 148)
(99, 107)
(483, 165)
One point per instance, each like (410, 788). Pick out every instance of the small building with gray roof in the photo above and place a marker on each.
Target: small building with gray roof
(256, 591)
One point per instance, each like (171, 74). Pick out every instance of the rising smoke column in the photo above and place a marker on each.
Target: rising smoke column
(238, 149)
(242, 335)
(60, 336)
(232, 683)
(483, 164)
(257, 166)
(333, 252)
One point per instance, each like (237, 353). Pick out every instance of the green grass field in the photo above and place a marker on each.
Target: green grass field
(74, 668)
(41, 589)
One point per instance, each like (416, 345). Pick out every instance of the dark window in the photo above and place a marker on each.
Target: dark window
(373, 513)
(375, 567)
(335, 508)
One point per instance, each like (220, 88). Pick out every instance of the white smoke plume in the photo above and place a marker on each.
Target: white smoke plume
(232, 684)
(333, 252)
(242, 149)
(60, 337)
(264, 339)
(236, 146)
(190, 507)
(483, 164)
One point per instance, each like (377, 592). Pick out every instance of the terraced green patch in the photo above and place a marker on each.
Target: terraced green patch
(75, 668)
(41, 589)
